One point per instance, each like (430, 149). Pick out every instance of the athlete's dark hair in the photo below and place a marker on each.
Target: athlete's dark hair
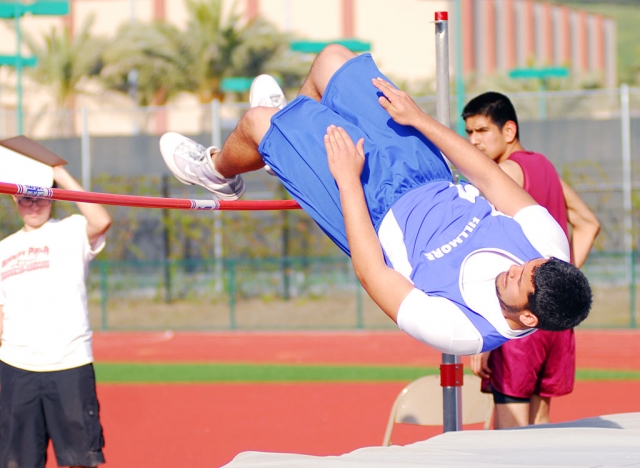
(562, 296)
(494, 105)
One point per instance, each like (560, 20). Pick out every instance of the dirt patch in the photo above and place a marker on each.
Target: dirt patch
(341, 310)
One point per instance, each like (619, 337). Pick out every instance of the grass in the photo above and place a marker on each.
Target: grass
(212, 373)
(234, 373)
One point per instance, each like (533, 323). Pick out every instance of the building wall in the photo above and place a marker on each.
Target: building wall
(400, 31)
(496, 36)
(543, 34)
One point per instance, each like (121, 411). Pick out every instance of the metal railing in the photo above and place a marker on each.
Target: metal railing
(290, 293)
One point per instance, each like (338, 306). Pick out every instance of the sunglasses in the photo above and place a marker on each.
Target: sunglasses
(26, 202)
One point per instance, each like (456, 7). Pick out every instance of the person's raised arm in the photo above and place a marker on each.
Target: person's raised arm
(98, 220)
(386, 287)
(584, 224)
(476, 166)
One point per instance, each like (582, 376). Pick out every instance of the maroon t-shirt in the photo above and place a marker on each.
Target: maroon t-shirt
(542, 182)
(544, 362)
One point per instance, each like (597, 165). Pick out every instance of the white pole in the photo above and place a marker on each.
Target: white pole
(132, 77)
(625, 123)
(216, 140)
(443, 114)
(451, 394)
(287, 16)
(86, 151)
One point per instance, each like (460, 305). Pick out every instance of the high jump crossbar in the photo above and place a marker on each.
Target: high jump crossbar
(146, 202)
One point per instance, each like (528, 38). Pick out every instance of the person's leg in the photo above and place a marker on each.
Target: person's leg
(510, 411)
(515, 370)
(72, 413)
(240, 151)
(193, 163)
(239, 154)
(328, 61)
(558, 376)
(539, 410)
(23, 432)
(219, 170)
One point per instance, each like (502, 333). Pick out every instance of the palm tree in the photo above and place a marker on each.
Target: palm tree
(213, 46)
(64, 63)
(156, 53)
(264, 49)
(222, 47)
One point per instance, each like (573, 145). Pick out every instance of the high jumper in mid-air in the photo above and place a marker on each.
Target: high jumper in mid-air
(461, 272)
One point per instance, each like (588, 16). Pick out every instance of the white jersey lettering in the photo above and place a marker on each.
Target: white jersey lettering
(448, 247)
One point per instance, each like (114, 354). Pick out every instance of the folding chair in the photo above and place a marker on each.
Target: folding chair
(420, 402)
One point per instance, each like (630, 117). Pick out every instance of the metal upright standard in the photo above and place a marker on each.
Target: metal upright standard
(451, 377)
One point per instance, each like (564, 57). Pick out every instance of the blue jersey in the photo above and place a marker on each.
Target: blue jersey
(442, 224)
(404, 173)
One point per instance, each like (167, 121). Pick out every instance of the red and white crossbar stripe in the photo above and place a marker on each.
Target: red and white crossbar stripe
(146, 202)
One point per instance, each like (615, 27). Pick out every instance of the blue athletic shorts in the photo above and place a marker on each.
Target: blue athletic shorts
(398, 158)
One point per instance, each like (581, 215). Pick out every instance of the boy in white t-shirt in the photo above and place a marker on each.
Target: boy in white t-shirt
(452, 269)
(48, 383)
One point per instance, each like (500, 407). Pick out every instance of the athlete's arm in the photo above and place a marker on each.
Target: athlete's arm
(544, 232)
(439, 323)
(485, 174)
(98, 220)
(386, 287)
(585, 226)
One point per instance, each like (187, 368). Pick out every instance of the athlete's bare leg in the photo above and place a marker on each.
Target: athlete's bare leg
(240, 151)
(328, 61)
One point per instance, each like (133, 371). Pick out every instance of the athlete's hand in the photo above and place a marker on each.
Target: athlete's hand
(398, 104)
(480, 365)
(346, 160)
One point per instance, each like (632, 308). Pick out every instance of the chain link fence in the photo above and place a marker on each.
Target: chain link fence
(194, 270)
(285, 293)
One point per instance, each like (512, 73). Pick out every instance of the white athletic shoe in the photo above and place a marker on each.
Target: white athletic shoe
(191, 163)
(266, 92)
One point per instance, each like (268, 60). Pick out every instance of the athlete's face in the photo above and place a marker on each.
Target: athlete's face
(34, 212)
(487, 137)
(514, 286)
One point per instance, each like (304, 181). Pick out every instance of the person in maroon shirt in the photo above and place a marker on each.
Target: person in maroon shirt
(525, 374)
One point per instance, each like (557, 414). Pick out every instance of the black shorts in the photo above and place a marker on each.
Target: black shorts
(502, 399)
(38, 406)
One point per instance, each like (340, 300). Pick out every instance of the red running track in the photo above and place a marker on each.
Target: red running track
(609, 349)
(178, 425)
